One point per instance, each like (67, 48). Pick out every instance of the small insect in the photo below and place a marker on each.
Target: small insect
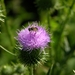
(33, 29)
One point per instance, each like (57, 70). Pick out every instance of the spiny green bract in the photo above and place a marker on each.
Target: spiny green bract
(30, 58)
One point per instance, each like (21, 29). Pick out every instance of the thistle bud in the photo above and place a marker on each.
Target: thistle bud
(45, 4)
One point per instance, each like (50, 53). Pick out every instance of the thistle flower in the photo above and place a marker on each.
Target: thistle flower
(33, 37)
(33, 40)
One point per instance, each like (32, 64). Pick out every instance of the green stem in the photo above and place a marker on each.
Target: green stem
(7, 50)
(7, 27)
(63, 24)
(48, 20)
(67, 17)
(49, 27)
(31, 70)
(50, 52)
(34, 70)
(50, 70)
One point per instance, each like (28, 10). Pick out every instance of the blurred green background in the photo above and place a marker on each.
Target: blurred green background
(57, 16)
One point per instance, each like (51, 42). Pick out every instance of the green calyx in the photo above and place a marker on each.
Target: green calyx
(30, 57)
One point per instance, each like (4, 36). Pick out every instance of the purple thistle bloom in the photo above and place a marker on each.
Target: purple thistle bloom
(33, 37)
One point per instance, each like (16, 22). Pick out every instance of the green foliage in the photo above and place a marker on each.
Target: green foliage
(57, 17)
(2, 15)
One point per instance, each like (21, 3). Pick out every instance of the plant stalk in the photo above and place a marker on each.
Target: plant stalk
(7, 50)
(31, 70)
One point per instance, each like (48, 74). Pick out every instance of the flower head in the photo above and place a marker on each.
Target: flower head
(33, 37)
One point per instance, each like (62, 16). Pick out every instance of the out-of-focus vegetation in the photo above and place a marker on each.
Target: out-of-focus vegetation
(57, 16)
